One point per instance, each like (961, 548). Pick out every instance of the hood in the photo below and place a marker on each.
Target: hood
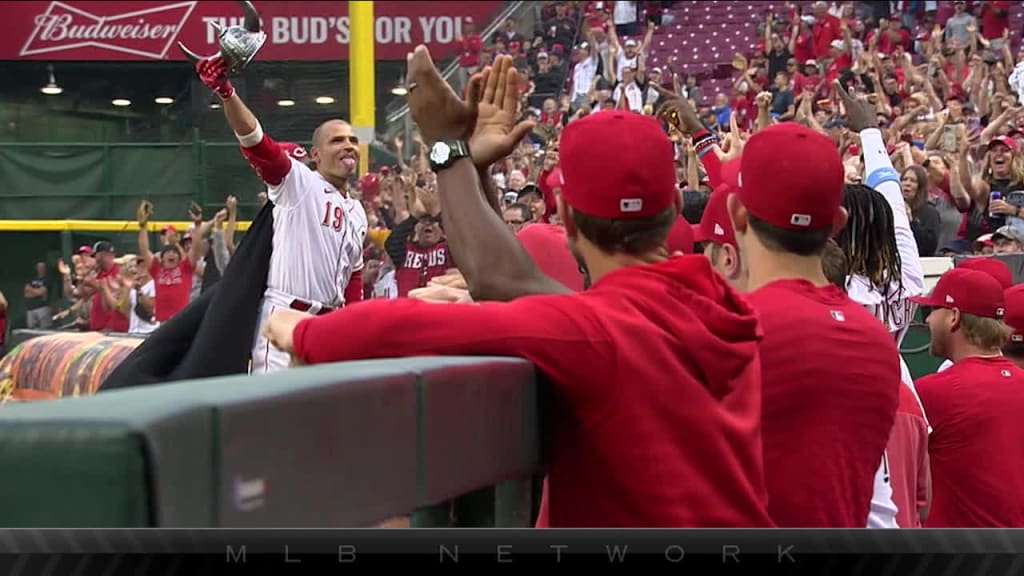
(702, 317)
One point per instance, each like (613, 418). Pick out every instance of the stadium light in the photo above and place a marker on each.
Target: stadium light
(286, 102)
(121, 102)
(324, 100)
(51, 89)
(163, 100)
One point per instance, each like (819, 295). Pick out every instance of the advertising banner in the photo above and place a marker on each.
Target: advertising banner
(144, 30)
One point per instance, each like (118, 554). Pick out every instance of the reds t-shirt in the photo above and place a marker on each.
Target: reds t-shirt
(100, 318)
(830, 378)
(421, 265)
(173, 286)
(976, 448)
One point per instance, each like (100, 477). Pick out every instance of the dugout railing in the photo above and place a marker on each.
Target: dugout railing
(444, 441)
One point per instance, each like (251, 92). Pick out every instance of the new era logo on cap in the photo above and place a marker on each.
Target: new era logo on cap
(719, 231)
(631, 204)
(802, 220)
(969, 291)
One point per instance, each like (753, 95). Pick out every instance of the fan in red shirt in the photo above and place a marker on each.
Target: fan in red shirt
(826, 29)
(995, 18)
(830, 369)
(100, 317)
(650, 358)
(974, 407)
(841, 60)
(172, 272)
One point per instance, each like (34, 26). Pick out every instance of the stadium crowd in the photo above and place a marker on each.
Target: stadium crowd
(917, 103)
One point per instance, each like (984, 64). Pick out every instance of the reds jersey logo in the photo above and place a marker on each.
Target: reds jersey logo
(148, 33)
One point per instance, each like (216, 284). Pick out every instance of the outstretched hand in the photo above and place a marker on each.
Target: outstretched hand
(435, 107)
(496, 133)
(675, 110)
(860, 113)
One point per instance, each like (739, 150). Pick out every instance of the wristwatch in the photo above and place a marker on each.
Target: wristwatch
(444, 153)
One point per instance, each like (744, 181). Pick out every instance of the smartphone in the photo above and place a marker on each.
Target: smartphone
(949, 139)
(973, 125)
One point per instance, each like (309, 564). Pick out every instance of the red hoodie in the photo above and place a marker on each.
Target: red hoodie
(656, 380)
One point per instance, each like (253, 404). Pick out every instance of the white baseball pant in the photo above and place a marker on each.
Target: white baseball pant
(266, 358)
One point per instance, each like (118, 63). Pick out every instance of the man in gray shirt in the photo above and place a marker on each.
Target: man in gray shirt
(958, 23)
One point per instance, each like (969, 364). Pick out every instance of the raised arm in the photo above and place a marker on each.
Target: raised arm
(144, 212)
(494, 264)
(880, 175)
(269, 161)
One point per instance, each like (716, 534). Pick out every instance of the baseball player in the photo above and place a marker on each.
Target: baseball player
(319, 228)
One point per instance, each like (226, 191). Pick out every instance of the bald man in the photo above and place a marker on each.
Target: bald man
(319, 228)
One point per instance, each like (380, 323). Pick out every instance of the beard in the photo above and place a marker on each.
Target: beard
(581, 264)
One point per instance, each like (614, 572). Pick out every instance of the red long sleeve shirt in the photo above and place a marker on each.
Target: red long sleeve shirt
(656, 381)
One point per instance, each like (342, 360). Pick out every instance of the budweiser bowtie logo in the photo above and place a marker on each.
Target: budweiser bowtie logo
(148, 32)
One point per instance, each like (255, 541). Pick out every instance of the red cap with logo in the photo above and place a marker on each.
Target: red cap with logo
(1007, 141)
(1014, 317)
(993, 267)
(970, 291)
(715, 225)
(617, 165)
(294, 150)
(680, 237)
(791, 177)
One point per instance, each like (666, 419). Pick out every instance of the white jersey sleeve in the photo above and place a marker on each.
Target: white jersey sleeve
(289, 192)
(880, 175)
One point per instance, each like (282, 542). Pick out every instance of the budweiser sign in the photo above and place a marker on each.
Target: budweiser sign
(148, 33)
(139, 30)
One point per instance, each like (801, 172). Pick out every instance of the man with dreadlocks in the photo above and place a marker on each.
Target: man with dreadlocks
(885, 273)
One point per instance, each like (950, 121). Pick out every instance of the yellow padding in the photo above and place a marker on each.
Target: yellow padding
(91, 225)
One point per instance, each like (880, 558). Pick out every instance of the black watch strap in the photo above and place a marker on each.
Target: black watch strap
(444, 153)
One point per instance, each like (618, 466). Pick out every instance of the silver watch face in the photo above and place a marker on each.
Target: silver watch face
(440, 153)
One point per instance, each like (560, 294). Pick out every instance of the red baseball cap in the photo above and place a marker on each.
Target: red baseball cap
(970, 291)
(715, 225)
(168, 228)
(680, 237)
(85, 249)
(993, 267)
(294, 150)
(1005, 141)
(1014, 317)
(634, 178)
(790, 176)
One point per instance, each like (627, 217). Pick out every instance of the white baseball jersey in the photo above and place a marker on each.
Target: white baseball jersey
(318, 237)
(880, 175)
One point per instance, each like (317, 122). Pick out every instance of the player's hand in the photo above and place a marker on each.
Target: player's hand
(438, 294)
(496, 134)
(436, 109)
(213, 72)
(860, 114)
(279, 328)
(678, 112)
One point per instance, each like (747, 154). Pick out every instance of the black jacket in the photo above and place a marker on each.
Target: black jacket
(213, 335)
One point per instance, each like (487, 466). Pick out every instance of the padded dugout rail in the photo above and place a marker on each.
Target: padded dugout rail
(335, 445)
